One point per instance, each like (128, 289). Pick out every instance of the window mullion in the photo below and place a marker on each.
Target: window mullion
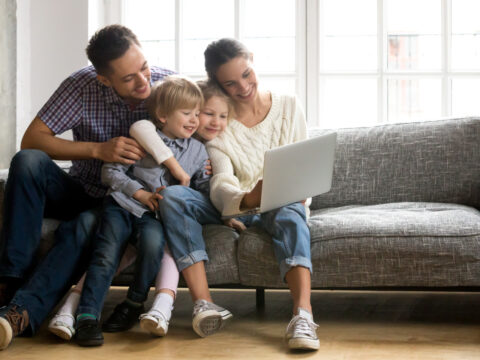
(178, 35)
(313, 42)
(446, 57)
(382, 96)
(301, 52)
(238, 14)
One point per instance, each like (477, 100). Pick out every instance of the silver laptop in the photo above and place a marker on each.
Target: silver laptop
(295, 172)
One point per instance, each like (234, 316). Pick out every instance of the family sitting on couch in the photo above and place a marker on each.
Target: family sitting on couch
(144, 199)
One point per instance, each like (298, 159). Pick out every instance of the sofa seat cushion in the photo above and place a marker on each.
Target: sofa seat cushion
(221, 244)
(397, 244)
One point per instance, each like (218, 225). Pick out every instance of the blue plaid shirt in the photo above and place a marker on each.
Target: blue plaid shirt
(95, 113)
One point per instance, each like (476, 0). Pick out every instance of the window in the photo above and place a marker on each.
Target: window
(351, 62)
(175, 33)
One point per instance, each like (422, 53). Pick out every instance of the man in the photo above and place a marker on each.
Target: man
(99, 103)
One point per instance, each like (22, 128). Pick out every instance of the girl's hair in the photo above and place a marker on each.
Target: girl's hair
(211, 89)
(220, 52)
(170, 94)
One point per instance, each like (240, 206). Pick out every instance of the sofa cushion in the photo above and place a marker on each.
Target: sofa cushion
(221, 244)
(398, 244)
(432, 161)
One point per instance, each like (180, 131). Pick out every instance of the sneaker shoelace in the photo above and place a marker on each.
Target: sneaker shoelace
(302, 327)
(18, 321)
(200, 306)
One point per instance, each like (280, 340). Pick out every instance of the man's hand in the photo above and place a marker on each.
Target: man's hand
(148, 198)
(120, 149)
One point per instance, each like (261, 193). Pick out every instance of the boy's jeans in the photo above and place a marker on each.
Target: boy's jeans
(116, 227)
(184, 211)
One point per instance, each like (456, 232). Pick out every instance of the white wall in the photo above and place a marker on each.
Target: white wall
(51, 40)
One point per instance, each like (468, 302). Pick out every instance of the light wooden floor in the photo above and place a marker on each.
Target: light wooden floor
(353, 325)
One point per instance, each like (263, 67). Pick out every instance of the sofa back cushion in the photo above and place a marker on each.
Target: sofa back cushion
(434, 161)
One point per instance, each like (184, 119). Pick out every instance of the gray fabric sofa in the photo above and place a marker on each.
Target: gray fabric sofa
(403, 212)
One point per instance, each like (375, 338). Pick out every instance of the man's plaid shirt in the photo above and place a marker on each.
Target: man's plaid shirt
(94, 113)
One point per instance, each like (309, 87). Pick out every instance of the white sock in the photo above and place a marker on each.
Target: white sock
(163, 304)
(66, 314)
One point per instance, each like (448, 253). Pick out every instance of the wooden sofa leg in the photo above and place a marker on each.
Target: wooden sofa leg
(260, 298)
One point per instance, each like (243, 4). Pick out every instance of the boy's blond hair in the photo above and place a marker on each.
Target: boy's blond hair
(210, 89)
(170, 94)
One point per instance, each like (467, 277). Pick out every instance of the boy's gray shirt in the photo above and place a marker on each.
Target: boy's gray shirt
(125, 180)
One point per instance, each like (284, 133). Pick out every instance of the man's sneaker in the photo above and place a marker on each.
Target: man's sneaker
(301, 332)
(208, 318)
(154, 322)
(13, 321)
(62, 325)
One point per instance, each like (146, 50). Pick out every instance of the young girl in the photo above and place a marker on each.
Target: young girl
(213, 119)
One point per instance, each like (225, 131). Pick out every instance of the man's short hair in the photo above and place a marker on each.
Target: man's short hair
(172, 93)
(108, 44)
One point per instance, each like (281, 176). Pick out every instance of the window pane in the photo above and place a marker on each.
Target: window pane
(348, 41)
(414, 99)
(279, 85)
(465, 94)
(270, 38)
(465, 35)
(348, 103)
(413, 32)
(155, 33)
(204, 21)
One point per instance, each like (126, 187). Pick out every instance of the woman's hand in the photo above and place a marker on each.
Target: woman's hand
(252, 199)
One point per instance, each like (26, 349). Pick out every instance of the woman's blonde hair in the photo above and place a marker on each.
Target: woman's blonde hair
(170, 94)
(210, 89)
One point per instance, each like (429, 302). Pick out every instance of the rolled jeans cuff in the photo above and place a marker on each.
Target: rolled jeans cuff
(190, 259)
(292, 262)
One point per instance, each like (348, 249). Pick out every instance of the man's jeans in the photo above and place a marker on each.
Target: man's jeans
(110, 240)
(183, 211)
(36, 188)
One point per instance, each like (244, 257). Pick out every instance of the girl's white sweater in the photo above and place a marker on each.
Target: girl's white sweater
(237, 154)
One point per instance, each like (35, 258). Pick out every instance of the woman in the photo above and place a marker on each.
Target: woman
(263, 120)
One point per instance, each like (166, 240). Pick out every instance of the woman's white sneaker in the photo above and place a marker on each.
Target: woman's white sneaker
(301, 332)
(154, 322)
(208, 318)
(62, 325)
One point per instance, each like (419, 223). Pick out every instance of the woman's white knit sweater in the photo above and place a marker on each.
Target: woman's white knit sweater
(237, 154)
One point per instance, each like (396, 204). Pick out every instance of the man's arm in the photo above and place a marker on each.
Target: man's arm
(120, 149)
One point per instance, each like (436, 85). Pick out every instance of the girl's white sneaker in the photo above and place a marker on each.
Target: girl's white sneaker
(62, 325)
(154, 322)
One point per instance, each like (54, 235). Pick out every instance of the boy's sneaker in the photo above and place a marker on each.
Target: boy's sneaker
(89, 332)
(62, 325)
(13, 321)
(301, 332)
(208, 318)
(154, 322)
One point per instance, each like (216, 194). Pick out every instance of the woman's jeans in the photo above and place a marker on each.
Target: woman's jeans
(184, 211)
(116, 227)
(38, 188)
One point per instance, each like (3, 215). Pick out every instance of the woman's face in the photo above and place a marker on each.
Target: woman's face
(238, 79)
(213, 118)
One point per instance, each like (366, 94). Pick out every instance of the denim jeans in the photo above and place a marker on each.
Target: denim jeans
(62, 266)
(36, 188)
(116, 227)
(183, 211)
(290, 234)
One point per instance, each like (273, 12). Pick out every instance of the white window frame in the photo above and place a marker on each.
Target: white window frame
(308, 74)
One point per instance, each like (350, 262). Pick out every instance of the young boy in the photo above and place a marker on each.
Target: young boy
(133, 200)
